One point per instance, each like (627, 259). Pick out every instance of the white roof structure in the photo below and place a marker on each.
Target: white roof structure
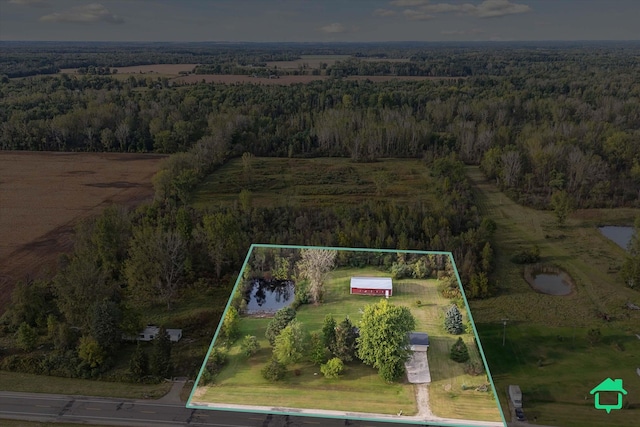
(371, 283)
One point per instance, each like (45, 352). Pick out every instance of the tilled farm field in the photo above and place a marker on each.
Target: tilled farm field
(43, 195)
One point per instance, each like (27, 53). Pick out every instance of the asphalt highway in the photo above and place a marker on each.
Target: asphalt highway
(134, 413)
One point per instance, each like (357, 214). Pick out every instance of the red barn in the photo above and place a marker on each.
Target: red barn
(372, 286)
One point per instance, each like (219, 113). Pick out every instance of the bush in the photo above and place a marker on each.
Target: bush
(333, 368)
(274, 370)
(401, 271)
(473, 369)
(530, 256)
(459, 351)
(217, 359)
(250, 345)
(26, 337)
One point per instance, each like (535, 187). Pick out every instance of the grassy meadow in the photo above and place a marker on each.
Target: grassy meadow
(546, 350)
(316, 182)
(360, 388)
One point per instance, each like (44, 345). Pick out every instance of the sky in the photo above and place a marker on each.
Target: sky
(319, 20)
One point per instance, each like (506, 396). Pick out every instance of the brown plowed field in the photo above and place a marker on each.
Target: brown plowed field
(43, 195)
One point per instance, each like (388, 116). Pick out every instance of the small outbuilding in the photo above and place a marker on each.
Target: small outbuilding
(381, 286)
(150, 332)
(418, 341)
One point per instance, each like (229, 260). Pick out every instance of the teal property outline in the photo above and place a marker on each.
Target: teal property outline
(411, 422)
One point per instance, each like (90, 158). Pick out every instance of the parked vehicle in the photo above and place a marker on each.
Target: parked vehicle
(520, 415)
(515, 394)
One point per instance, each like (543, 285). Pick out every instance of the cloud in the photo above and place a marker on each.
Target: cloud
(32, 3)
(472, 32)
(493, 8)
(416, 15)
(93, 12)
(485, 9)
(334, 28)
(408, 3)
(384, 12)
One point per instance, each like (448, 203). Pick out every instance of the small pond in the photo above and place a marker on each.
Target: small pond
(620, 235)
(552, 284)
(269, 295)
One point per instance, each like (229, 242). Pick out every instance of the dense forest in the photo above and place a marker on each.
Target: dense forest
(564, 120)
(537, 121)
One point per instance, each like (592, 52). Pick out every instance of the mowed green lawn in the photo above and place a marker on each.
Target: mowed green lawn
(551, 330)
(360, 388)
(316, 182)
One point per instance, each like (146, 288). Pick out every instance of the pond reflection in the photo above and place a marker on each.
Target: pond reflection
(269, 295)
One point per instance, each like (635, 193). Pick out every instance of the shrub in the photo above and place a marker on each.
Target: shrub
(401, 271)
(279, 322)
(332, 368)
(473, 369)
(274, 370)
(250, 345)
(530, 256)
(26, 337)
(217, 359)
(459, 351)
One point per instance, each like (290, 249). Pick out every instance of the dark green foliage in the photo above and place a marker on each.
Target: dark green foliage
(26, 337)
(473, 369)
(290, 344)
(530, 256)
(329, 333)
(29, 304)
(345, 346)
(90, 352)
(105, 325)
(453, 321)
(250, 345)
(279, 322)
(318, 351)
(630, 271)
(217, 359)
(160, 359)
(139, 363)
(333, 368)
(274, 370)
(459, 351)
(401, 271)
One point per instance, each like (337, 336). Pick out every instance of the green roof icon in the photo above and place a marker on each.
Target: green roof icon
(609, 385)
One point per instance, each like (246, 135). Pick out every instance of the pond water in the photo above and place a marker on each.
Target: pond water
(620, 235)
(269, 295)
(552, 284)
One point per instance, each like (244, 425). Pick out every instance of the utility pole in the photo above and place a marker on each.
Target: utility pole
(504, 330)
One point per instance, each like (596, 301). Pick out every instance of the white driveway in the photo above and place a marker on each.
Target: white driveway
(418, 368)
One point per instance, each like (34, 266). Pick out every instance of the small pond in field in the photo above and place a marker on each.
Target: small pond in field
(269, 296)
(552, 284)
(620, 235)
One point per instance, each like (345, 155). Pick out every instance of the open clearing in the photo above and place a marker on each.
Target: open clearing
(310, 61)
(317, 182)
(546, 350)
(360, 389)
(43, 195)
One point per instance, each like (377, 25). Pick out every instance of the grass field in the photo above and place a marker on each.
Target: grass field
(360, 388)
(12, 381)
(317, 182)
(546, 350)
(42, 196)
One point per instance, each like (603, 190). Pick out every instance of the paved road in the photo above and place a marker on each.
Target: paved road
(134, 413)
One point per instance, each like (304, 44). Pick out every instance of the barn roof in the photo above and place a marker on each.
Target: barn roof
(371, 282)
(418, 338)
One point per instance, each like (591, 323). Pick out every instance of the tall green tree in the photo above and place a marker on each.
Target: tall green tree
(280, 321)
(453, 321)
(290, 344)
(105, 325)
(139, 363)
(329, 332)
(630, 271)
(160, 359)
(155, 270)
(345, 346)
(384, 338)
(562, 205)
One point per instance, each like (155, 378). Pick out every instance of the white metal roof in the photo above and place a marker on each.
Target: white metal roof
(371, 282)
